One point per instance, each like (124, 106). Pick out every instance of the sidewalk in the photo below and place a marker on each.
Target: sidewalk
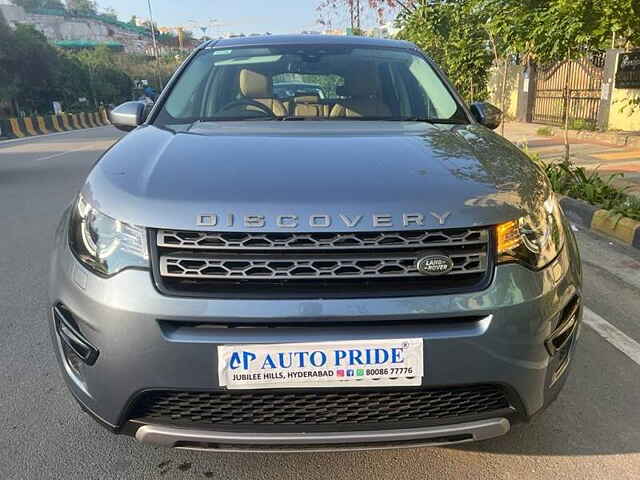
(586, 151)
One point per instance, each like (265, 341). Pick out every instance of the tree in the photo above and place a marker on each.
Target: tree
(463, 35)
(110, 12)
(453, 34)
(353, 8)
(87, 7)
(564, 30)
(8, 86)
(107, 82)
(32, 53)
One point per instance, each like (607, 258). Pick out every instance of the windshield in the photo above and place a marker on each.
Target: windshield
(309, 83)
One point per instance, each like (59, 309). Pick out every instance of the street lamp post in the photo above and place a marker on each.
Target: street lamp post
(155, 46)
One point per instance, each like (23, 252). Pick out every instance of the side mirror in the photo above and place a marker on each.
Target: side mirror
(486, 114)
(128, 115)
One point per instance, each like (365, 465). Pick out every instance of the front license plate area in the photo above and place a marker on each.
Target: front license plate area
(354, 363)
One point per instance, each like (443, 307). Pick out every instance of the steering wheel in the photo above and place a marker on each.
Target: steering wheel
(249, 102)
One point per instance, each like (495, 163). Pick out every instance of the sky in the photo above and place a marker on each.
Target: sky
(246, 16)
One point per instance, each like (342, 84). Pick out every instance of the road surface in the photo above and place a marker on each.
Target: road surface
(591, 432)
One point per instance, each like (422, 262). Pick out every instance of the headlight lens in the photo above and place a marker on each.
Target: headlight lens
(104, 244)
(534, 240)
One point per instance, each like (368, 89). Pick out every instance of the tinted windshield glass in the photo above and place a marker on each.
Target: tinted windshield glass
(309, 83)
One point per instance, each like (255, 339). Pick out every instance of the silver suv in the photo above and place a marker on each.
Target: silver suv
(368, 268)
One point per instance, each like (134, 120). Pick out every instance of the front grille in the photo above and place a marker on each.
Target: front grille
(319, 241)
(318, 264)
(384, 409)
(225, 266)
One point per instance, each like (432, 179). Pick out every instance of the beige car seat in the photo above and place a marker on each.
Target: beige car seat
(364, 94)
(259, 87)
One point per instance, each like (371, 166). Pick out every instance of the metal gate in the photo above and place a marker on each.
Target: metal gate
(584, 80)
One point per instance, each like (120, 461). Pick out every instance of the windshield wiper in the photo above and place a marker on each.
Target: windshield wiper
(290, 118)
(451, 121)
(235, 119)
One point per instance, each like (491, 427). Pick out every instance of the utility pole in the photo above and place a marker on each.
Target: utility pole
(354, 7)
(155, 46)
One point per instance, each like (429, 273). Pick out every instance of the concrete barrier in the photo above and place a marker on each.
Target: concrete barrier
(75, 122)
(27, 122)
(42, 128)
(17, 128)
(6, 131)
(42, 125)
(52, 123)
(66, 124)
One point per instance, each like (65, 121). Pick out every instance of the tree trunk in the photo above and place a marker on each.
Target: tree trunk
(567, 107)
(504, 92)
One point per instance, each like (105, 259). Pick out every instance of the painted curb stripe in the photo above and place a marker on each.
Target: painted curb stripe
(55, 123)
(75, 122)
(15, 126)
(6, 130)
(41, 126)
(621, 228)
(65, 122)
(45, 125)
(28, 126)
(602, 221)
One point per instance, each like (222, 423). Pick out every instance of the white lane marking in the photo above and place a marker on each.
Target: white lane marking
(611, 334)
(59, 154)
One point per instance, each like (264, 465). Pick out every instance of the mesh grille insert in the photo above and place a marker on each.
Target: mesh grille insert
(319, 407)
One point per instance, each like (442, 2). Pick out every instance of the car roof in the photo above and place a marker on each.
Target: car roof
(273, 40)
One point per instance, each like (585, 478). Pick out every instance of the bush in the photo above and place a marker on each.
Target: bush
(581, 124)
(544, 132)
(576, 182)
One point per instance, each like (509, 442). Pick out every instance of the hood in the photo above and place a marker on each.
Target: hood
(305, 176)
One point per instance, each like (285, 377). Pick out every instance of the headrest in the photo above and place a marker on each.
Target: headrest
(255, 85)
(362, 80)
(307, 99)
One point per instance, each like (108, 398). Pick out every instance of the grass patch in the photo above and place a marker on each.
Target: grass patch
(577, 182)
(581, 124)
(544, 132)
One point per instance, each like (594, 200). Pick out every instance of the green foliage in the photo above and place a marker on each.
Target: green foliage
(577, 182)
(33, 74)
(581, 124)
(82, 6)
(464, 36)
(453, 33)
(544, 132)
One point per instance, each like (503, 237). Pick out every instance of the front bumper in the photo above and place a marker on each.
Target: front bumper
(149, 341)
(194, 439)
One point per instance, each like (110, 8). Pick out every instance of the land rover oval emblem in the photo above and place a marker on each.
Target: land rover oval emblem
(434, 265)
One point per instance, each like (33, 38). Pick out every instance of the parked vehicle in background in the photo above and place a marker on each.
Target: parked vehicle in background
(287, 90)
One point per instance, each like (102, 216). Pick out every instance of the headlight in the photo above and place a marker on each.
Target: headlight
(104, 244)
(534, 240)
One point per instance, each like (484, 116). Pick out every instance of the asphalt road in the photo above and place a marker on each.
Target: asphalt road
(591, 432)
